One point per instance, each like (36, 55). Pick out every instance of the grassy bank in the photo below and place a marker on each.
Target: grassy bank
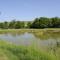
(13, 52)
(30, 30)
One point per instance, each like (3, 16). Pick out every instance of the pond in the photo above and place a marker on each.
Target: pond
(36, 39)
(37, 43)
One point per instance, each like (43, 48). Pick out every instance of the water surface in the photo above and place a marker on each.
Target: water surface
(37, 39)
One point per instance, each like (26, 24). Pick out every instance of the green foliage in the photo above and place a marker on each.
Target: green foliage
(1, 25)
(18, 25)
(12, 24)
(29, 25)
(13, 52)
(42, 22)
(5, 25)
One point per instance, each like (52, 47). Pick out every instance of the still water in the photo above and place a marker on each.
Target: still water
(36, 39)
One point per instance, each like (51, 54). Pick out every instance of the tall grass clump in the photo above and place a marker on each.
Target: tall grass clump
(9, 51)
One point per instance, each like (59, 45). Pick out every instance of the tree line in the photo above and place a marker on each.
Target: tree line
(42, 22)
(12, 25)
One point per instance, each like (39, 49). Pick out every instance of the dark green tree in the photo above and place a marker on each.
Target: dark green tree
(12, 24)
(17, 25)
(5, 25)
(1, 25)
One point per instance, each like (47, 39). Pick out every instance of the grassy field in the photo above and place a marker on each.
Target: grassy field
(13, 52)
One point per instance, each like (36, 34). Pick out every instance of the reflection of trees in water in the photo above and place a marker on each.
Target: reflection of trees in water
(54, 46)
(13, 33)
(55, 35)
(3, 32)
(46, 36)
(16, 34)
(40, 35)
(57, 43)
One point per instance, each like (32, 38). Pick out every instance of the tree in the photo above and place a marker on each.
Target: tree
(43, 22)
(1, 25)
(29, 24)
(22, 24)
(12, 24)
(35, 23)
(5, 25)
(17, 25)
(55, 22)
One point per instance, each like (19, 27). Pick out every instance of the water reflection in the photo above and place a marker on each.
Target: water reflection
(48, 41)
(44, 39)
(46, 36)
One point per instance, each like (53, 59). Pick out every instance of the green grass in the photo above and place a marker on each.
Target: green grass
(9, 51)
(29, 30)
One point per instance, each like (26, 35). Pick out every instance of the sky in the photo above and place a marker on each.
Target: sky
(27, 10)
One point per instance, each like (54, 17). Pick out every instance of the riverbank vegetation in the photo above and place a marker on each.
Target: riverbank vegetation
(38, 23)
(8, 51)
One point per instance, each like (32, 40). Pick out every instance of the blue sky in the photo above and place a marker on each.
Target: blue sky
(28, 9)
